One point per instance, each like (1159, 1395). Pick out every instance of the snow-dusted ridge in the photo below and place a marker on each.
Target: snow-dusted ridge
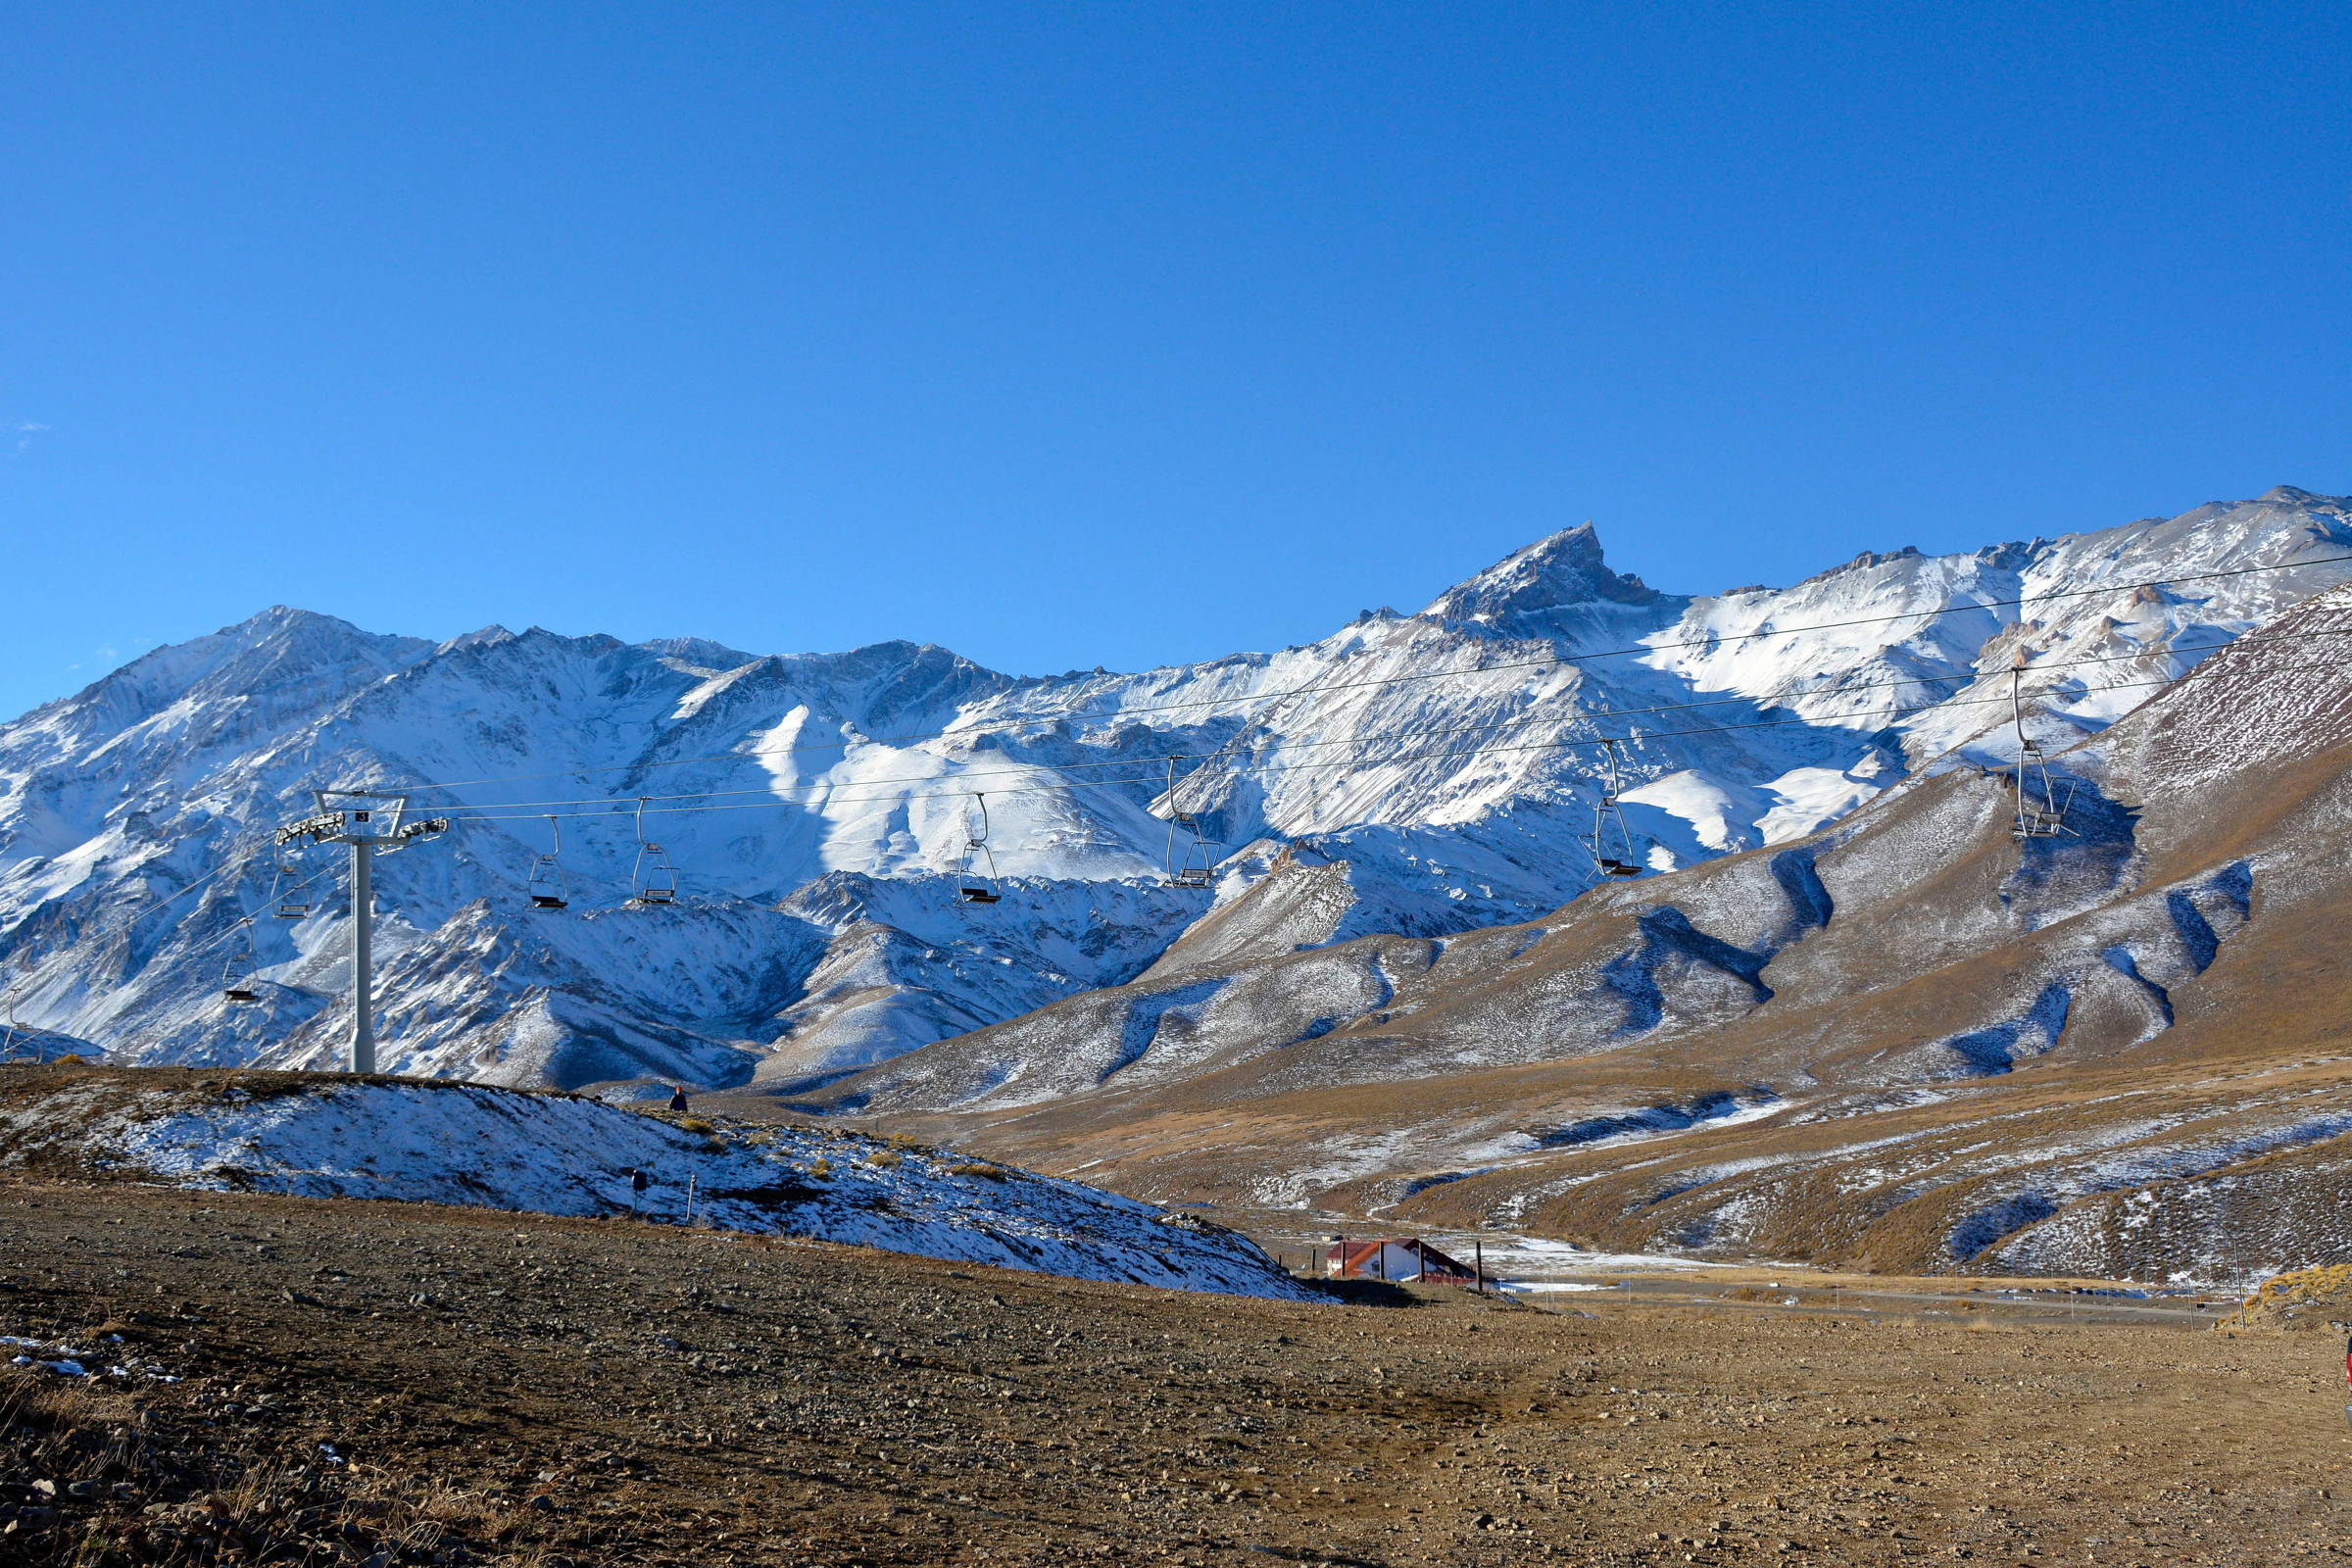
(491, 1147)
(820, 931)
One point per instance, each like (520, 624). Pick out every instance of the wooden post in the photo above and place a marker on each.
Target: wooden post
(1479, 1243)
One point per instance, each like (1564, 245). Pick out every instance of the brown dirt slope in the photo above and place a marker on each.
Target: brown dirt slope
(404, 1385)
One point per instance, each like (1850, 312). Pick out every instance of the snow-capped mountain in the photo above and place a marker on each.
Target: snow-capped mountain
(1418, 774)
(1914, 1040)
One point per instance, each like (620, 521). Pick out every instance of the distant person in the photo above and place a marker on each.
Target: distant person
(639, 1181)
(677, 1097)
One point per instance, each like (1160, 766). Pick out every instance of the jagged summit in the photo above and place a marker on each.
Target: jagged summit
(700, 653)
(481, 637)
(1564, 572)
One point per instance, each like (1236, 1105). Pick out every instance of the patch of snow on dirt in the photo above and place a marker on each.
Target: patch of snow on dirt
(492, 1148)
(1537, 1254)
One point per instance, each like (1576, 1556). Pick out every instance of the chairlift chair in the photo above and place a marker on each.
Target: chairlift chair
(1612, 842)
(547, 887)
(286, 902)
(2033, 818)
(22, 1041)
(654, 879)
(237, 973)
(972, 887)
(1192, 866)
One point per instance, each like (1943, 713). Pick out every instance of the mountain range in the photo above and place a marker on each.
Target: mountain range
(1405, 982)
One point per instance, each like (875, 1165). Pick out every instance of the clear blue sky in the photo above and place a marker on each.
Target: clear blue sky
(1121, 333)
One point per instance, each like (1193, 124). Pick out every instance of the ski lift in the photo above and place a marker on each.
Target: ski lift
(547, 887)
(2036, 812)
(654, 878)
(237, 973)
(973, 887)
(286, 891)
(19, 1040)
(1196, 866)
(1612, 842)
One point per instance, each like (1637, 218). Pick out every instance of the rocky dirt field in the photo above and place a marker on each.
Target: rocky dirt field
(384, 1384)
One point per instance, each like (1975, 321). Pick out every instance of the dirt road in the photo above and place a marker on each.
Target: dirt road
(541, 1391)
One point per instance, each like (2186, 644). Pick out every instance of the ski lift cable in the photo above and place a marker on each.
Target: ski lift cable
(246, 920)
(1198, 867)
(1258, 719)
(243, 922)
(1555, 660)
(1206, 759)
(8, 997)
(1290, 768)
(516, 810)
(1646, 738)
(1760, 700)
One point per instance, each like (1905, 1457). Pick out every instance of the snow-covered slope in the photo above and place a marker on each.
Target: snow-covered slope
(560, 1154)
(1422, 775)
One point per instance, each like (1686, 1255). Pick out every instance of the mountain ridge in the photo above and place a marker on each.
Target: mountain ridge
(1446, 764)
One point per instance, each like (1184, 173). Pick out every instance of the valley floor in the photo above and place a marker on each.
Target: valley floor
(508, 1389)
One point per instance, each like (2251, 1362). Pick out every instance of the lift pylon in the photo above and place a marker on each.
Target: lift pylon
(367, 820)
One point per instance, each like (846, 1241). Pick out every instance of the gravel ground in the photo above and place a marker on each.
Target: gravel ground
(503, 1389)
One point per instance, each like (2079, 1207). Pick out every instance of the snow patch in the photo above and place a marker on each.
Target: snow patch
(558, 1155)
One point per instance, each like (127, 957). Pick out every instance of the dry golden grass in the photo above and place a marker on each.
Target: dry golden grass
(2303, 1300)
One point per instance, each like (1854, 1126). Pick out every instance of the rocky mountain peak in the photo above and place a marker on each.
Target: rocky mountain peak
(1563, 572)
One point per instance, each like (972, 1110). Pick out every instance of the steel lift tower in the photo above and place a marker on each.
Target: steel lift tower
(367, 820)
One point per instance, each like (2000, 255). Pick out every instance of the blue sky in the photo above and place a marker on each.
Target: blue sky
(1117, 334)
